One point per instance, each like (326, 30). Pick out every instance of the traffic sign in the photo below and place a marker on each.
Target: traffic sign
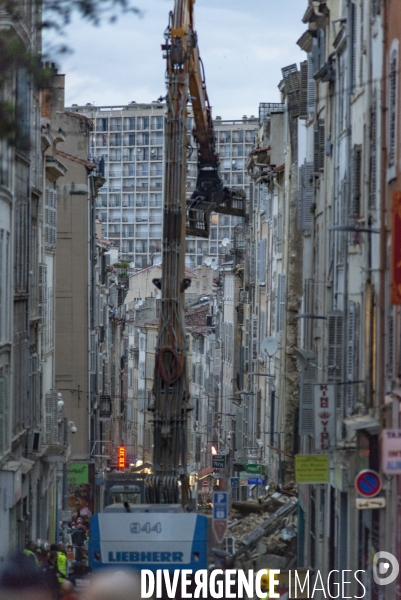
(220, 528)
(255, 481)
(205, 484)
(362, 503)
(219, 461)
(234, 482)
(368, 483)
(254, 469)
(220, 514)
(220, 505)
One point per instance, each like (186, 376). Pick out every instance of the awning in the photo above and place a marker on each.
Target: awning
(204, 473)
(362, 422)
(26, 465)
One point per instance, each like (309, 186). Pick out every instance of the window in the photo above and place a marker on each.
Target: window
(143, 123)
(131, 139)
(50, 218)
(131, 123)
(392, 110)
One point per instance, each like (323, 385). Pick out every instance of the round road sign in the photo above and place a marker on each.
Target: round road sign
(205, 484)
(368, 483)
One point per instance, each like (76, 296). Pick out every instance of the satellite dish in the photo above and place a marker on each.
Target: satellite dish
(208, 261)
(137, 307)
(225, 242)
(140, 302)
(269, 346)
(215, 267)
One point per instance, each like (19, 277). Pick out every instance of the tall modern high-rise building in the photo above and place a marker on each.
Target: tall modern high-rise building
(131, 141)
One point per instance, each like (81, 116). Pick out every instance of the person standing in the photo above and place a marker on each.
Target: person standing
(30, 552)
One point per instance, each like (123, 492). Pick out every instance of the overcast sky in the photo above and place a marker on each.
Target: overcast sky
(243, 45)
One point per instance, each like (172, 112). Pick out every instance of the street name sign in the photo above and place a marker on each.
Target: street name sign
(255, 481)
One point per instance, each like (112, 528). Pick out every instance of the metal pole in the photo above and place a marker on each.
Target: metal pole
(65, 480)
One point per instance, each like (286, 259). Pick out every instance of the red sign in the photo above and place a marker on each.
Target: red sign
(368, 483)
(396, 250)
(121, 457)
(220, 528)
(205, 484)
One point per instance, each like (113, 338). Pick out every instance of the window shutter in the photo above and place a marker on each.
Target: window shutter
(42, 276)
(4, 415)
(262, 322)
(311, 84)
(307, 379)
(217, 362)
(303, 100)
(352, 355)
(307, 196)
(292, 88)
(262, 262)
(92, 353)
(239, 433)
(255, 322)
(51, 422)
(308, 309)
(335, 351)
(301, 192)
(373, 152)
(316, 148)
(355, 209)
(100, 373)
(280, 303)
(353, 45)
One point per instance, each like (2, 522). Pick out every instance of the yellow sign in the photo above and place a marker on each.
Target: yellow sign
(312, 468)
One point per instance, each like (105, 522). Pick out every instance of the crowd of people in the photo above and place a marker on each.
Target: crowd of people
(65, 577)
(27, 576)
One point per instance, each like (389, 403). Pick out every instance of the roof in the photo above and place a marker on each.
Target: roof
(79, 116)
(188, 272)
(196, 318)
(82, 161)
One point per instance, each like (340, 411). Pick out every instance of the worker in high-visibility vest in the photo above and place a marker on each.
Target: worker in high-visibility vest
(62, 563)
(30, 552)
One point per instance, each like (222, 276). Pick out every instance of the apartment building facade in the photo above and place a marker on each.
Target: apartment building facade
(131, 141)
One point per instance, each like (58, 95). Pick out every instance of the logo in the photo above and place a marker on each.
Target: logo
(385, 568)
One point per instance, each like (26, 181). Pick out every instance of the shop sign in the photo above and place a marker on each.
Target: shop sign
(254, 469)
(325, 416)
(78, 473)
(312, 468)
(391, 451)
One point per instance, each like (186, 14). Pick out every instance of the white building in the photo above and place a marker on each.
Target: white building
(131, 141)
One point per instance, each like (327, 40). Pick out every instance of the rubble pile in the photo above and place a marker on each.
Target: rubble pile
(275, 550)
